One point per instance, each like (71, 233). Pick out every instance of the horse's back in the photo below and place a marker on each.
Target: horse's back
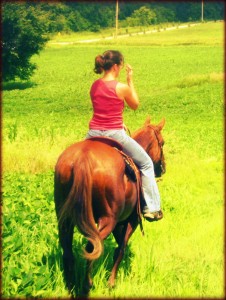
(105, 159)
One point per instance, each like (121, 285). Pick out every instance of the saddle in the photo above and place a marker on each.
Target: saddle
(108, 141)
(131, 170)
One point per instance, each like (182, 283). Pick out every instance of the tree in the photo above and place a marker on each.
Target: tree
(76, 22)
(214, 11)
(97, 15)
(143, 16)
(164, 14)
(23, 29)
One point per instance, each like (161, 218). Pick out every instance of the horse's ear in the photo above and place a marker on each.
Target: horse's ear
(161, 124)
(147, 122)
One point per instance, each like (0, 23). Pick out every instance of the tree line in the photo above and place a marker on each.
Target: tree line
(27, 25)
(94, 15)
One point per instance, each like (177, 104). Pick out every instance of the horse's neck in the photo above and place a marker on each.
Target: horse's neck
(142, 137)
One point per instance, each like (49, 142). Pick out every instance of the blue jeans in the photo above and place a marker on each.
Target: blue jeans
(142, 160)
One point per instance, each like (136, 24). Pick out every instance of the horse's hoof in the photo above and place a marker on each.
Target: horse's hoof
(86, 289)
(111, 283)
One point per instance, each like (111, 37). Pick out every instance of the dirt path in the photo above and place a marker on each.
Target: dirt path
(125, 35)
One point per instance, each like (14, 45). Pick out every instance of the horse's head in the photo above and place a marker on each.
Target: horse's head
(150, 138)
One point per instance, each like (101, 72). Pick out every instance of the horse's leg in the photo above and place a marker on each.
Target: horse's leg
(65, 230)
(66, 235)
(122, 233)
(87, 284)
(105, 227)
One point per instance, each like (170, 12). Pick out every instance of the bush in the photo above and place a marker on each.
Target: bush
(23, 36)
(141, 17)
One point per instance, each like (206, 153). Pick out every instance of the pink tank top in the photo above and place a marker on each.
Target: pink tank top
(107, 107)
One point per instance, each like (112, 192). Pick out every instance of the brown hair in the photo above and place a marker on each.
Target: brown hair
(105, 61)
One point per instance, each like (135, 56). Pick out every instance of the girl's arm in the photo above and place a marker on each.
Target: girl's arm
(127, 91)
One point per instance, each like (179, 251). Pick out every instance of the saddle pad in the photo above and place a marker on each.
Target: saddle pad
(108, 141)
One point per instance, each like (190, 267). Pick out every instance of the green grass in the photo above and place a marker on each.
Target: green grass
(178, 75)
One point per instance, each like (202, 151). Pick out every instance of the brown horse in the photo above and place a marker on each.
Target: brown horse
(93, 193)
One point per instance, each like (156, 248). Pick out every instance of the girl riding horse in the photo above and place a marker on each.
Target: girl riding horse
(108, 97)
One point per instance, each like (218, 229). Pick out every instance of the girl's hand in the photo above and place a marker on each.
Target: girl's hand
(129, 70)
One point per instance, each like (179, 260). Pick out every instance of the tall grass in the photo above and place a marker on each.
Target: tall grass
(181, 256)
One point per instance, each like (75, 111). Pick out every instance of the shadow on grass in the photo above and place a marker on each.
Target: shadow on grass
(17, 85)
(105, 262)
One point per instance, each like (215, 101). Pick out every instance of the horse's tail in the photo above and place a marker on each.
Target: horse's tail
(78, 205)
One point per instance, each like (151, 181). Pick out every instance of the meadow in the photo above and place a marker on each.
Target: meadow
(179, 75)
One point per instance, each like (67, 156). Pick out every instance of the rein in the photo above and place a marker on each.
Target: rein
(127, 130)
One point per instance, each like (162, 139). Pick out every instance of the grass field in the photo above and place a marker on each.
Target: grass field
(178, 75)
